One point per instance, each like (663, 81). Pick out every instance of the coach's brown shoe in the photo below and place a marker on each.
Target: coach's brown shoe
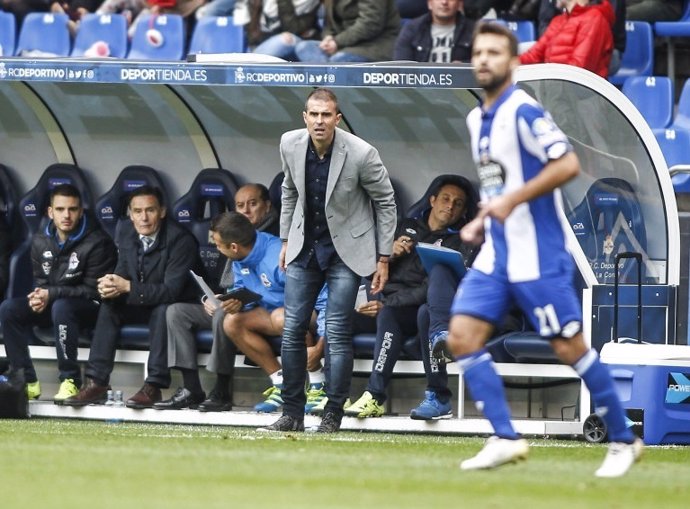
(91, 393)
(146, 397)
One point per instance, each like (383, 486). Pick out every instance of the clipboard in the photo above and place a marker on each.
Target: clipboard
(431, 254)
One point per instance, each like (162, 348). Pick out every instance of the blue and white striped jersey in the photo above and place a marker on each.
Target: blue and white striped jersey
(511, 143)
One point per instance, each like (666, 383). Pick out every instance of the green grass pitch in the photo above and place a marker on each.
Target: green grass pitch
(85, 464)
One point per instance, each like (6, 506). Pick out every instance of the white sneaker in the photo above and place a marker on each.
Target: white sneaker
(620, 458)
(496, 452)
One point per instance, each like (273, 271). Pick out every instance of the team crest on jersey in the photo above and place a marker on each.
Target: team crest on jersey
(543, 125)
(73, 261)
(264, 279)
(491, 177)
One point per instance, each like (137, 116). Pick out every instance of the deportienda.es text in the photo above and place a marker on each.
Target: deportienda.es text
(406, 79)
(163, 74)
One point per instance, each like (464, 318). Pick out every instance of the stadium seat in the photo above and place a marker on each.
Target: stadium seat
(675, 145)
(275, 190)
(638, 57)
(608, 221)
(523, 30)
(669, 30)
(653, 97)
(211, 193)
(682, 117)
(422, 205)
(9, 205)
(108, 28)
(32, 208)
(217, 35)
(111, 208)
(158, 38)
(8, 34)
(44, 33)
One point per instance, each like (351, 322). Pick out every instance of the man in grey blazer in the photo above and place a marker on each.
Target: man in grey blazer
(337, 224)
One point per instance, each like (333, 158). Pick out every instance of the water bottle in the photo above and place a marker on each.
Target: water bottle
(110, 401)
(119, 402)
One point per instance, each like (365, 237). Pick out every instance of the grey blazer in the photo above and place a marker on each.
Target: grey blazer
(357, 179)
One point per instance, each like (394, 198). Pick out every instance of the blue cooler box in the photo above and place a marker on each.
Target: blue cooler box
(653, 382)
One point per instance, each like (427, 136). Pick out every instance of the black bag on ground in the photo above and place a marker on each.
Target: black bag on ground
(13, 401)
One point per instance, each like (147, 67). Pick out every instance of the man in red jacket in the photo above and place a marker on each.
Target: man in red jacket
(581, 36)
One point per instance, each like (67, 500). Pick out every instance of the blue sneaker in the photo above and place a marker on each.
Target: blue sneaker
(273, 401)
(439, 347)
(431, 409)
(316, 397)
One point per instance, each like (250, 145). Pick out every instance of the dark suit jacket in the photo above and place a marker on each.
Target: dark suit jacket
(161, 275)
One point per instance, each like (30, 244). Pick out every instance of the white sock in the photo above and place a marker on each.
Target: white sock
(317, 377)
(277, 377)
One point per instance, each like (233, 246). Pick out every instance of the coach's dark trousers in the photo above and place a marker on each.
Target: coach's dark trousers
(111, 317)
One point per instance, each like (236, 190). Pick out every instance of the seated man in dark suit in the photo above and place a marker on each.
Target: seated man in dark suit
(155, 257)
(67, 258)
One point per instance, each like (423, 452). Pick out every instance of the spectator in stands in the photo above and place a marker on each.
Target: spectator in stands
(338, 211)
(128, 8)
(442, 35)
(355, 31)
(410, 9)
(20, 8)
(453, 203)
(216, 8)
(67, 259)
(548, 9)
(184, 8)
(152, 272)
(652, 11)
(581, 36)
(274, 27)
(185, 318)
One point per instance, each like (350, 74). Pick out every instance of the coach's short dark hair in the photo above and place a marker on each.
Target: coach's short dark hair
(146, 190)
(233, 227)
(263, 190)
(323, 94)
(68, 190)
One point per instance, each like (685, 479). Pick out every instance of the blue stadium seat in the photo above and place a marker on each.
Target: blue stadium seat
(608, 221)
(638, 57)
(669, 30)
(217, 34)
(653, 97)
(108, 28)
(111, 208)
(523, 30)
(675, 145)
(211, 193)
(422, 205)
(682, 117)
(8, 33)
(275, 190)
(9, 205)
(44, 32)
(32, 208)
(158, 38)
